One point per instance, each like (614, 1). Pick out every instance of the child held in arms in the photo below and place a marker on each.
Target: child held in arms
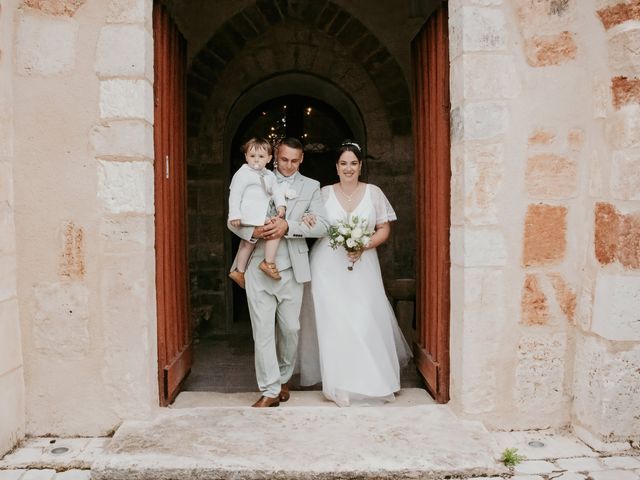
(254, 198)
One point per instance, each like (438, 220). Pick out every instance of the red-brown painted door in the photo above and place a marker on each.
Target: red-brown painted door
(430, 57)
(174, 334)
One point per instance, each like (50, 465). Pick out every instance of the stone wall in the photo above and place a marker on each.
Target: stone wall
(607, 366)
(545, 214)
(83, 109)
(12, 413)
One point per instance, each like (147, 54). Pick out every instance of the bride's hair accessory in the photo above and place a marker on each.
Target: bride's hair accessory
(349, 143)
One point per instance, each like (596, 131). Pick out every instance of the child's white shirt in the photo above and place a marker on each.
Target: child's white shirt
(249, 195)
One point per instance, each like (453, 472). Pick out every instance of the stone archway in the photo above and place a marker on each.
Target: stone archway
(323, 18)
(281, 53)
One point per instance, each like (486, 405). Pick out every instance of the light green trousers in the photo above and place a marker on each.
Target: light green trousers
(274, 306)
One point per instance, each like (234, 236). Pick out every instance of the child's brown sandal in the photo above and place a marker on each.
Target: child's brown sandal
(270, 270)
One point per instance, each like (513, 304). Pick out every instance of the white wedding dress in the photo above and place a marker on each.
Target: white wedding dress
(349, 337)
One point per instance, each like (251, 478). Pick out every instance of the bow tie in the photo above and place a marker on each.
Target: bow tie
(283, 179)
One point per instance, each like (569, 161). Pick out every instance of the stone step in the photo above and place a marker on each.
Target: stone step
(407, 397)
(204, 443)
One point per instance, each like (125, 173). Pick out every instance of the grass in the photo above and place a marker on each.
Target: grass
(511, 457)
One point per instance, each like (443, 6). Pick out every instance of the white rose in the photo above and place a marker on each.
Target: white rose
(343, 230)
(356, 233)
(351, 243)
(365, 239)
(290, 194)
(340, 240)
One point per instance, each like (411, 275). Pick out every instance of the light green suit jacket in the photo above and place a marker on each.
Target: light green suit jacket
(308, 199)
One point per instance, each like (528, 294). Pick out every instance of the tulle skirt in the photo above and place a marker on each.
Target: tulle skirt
(349, 339)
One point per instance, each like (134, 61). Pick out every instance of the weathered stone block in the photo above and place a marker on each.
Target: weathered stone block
(478, 247)
(483, 178)
(72, 260)
(550, 176)
(622, 128)
(624, 53)
(45, 45)
(480, 121)
(60, 325)
(489, 77)
(127, 302)
(12, 413)
(595, 175)
(11, 351)
(124, 51)
(625, 91)
(127, 234)
(542, 136)
(483, 29)
(533, 305)
(617, 236)
(545, 228)
(483, 317)
(123, 139)
(126, 187)
(540, 373)
(55, 7)
(616, 307)
(543, 51)
(542, 17)
(625, 175)
(619, 13)
(565, 296)
(126, 99)
(601, 98)
(129, 11)
(607, 388)
(575, 139)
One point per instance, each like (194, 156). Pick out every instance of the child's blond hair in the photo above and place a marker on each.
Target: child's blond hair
(257, 144)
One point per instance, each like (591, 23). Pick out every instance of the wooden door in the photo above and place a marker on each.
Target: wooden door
(174, 332)
(430, 57)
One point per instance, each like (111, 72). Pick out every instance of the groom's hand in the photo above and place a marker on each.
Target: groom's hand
(276, 228)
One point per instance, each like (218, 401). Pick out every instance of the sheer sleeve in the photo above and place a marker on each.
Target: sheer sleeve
(384, 210)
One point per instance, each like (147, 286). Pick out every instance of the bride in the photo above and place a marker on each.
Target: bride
(359, 347)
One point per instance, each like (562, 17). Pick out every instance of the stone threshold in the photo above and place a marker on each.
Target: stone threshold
(305, 442)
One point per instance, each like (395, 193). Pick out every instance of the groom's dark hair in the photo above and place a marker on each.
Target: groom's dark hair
(292, 142)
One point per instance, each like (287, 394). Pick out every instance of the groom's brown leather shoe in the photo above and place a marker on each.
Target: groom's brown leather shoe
(266, 402)
(284, 392)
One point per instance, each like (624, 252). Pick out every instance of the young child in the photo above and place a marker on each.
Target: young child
(254, 197)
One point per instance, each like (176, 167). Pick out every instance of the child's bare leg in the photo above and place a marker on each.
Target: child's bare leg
(270, 249)
(244, 252)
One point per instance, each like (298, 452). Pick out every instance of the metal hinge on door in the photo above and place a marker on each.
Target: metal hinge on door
(166, 166)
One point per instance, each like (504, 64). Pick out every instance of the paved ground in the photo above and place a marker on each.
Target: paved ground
(418, 441)
(224, 363)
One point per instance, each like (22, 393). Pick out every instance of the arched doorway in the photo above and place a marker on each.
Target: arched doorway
(292, 51)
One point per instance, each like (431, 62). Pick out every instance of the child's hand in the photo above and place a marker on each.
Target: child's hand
(281, 211)
(236, 222)
(309, 219)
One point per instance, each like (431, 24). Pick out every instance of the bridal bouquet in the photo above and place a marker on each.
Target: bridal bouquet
(352, 235)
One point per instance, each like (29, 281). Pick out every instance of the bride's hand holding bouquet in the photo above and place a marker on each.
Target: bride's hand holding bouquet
(353, 235)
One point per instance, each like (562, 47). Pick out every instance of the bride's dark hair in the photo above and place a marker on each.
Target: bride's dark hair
(349, 146)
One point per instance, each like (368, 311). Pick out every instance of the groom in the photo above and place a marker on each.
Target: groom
(275, 304)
